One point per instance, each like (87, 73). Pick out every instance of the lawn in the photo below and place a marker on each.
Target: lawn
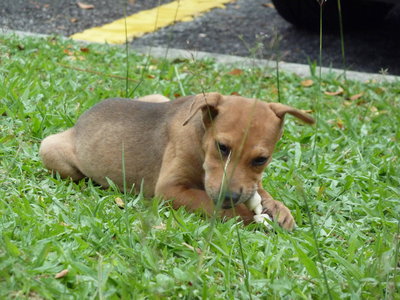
(65, 240)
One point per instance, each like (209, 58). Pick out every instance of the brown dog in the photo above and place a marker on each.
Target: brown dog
(179, 149)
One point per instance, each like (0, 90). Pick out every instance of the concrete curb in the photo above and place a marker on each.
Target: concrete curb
(299, 69)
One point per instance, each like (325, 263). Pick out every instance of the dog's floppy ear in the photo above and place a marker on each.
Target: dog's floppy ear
(208, 103)
(281, 110)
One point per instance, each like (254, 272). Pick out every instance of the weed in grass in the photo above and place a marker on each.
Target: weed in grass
(147, 250)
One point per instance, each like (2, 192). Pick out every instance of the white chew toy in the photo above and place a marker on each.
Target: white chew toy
(254, 204)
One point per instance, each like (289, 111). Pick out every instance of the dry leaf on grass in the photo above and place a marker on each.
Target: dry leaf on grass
(160, 226)
(274, 90)
(356, 96)
(340, 124)
(85, 49)
(235, 72)
(307, 83)
(198, 250)
(338, 92)
(61, 274)
(73, 57)
(85, 5)
(68, 52)
(269, 5)
(360, 102)
(380, 90)
(180, 60)
(373, 109)
(119, 202)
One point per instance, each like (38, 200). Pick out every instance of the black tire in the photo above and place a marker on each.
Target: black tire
(355, 13)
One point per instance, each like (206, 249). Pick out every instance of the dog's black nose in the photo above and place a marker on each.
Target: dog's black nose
(232, 197)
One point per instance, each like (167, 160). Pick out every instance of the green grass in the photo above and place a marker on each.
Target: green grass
(344, 174)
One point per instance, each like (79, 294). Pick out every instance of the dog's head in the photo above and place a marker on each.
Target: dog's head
(240, 137)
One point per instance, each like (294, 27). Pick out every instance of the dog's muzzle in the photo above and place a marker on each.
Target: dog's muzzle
(230, 199)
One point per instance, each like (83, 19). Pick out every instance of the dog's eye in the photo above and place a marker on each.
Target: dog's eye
(223, 149)
(259, 161)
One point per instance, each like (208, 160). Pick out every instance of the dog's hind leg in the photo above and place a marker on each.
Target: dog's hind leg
(58, 154)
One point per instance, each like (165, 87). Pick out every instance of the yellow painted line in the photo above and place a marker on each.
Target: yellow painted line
(148, 21)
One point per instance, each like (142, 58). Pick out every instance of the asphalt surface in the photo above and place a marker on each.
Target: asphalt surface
(244, 28)
(64, 17)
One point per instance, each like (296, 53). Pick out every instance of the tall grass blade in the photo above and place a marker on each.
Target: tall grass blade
(342, 38)
(126, 51)
(315, 153)
(314, 234)
(148, 56)
(278, 83)
(246, 270)
(391, 290)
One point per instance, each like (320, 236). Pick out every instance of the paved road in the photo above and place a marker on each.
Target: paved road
(243, 28)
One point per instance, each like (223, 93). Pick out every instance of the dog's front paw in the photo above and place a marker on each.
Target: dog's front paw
(280, 213)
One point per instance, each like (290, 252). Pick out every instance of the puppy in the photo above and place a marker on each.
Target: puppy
(202, 152)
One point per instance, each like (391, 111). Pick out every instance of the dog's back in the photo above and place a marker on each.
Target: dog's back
(122, 140)
(119, 139)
